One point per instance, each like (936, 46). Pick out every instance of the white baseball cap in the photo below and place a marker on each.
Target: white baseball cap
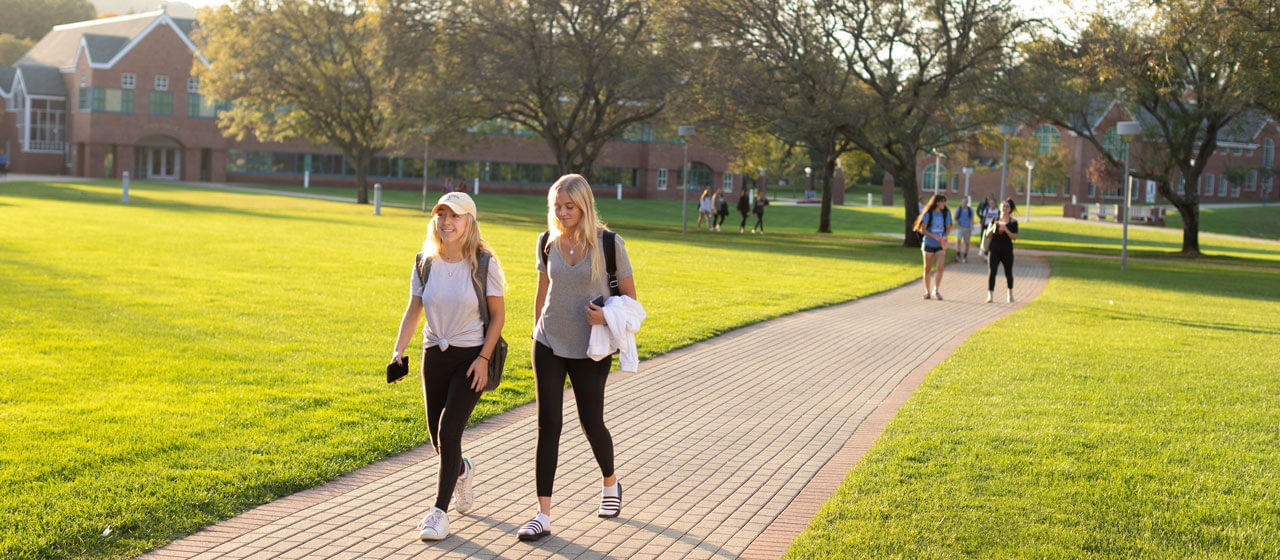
(459, 202)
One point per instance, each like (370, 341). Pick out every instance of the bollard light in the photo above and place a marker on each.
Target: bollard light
(125, 197)
(377, 199)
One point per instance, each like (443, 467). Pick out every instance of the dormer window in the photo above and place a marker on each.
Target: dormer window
(162, 82)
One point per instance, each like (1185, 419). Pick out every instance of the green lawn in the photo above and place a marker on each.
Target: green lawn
(180, 359)
(1116, 416)
(1256, 221)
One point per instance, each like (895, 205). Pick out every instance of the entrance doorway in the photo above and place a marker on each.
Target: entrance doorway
(157, 158)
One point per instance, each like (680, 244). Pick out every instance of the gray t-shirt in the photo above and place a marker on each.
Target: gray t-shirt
(452, 309)
(563, 326)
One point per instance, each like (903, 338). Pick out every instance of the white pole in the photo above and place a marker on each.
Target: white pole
(475, 187)
(377, 199)
(937, 170)
(1029, 170)
(684, 196)
(868, 200)
(619, 191)
(1124, 234)
(1004, 168)
(125, 183)
(306, 179)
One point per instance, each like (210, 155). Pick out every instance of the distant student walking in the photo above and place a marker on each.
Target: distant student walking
(721, 208)
(704, 208)
(744, 208)
(446, 286)
(1000, 247)
(758, 209)
(964, 229)
(933, 224)
(572, 271)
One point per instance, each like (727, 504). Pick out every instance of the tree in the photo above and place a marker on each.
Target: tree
(889, 78)
(576, 72)
(1180, 73)
(32, 19)
(12, 48)
(325, 71)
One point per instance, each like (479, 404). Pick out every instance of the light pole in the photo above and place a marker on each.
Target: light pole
(1030, 166)
(1128, 131)
(808, 181)
(1006, 130)
(426, 163)
(937, 168)
(685, 131)
(967, 172)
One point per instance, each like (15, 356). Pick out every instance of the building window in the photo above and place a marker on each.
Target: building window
(47, 132)
(1093, 190)
(662, 179)
(727, 184)
(1112, 145)
(109, 100)
(1047, 138)
(193, 85)
(1182, 184)
(934, 173)
(1222, 185)
(84, 79)
(1251, 181)
(128, 80)
(85, 99)
(1208, 184)
(162, 82)
(201, 106)
(162, 103)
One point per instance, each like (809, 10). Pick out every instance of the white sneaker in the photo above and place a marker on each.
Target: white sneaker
(463, 497)
(435, 526)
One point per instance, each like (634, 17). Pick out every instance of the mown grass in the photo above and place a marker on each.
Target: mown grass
(180, 359)
(1256, 221)
(1116, 416)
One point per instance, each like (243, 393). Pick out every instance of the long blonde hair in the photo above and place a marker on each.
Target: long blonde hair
(589, 225)
(472, 241)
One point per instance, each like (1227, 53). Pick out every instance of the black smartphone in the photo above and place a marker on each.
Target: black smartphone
(397, 369)
(599, 301)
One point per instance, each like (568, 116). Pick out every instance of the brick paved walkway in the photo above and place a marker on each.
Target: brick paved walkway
(715, 443)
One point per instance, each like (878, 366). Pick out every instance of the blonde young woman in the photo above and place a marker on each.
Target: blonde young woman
(571, 273)
(456, 345)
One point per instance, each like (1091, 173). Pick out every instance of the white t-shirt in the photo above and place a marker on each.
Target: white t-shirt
(451, 305)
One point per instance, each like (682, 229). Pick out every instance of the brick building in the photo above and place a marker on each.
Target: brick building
(1249, 144)
(98, 98)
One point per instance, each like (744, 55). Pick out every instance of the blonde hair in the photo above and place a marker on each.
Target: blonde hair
(589, 225)
(472, 241)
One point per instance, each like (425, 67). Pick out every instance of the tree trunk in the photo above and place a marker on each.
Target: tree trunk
(828, 170)
(905, 179)
(362, 178)
(1190, 213)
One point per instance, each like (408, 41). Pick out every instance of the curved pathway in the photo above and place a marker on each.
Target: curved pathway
(726, 448)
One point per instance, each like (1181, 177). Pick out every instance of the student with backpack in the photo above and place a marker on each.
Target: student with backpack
(454, 275)
(744, 208)
(578, 260)
(721, 208)
(758, 208)
(933, 224)
(964, 230)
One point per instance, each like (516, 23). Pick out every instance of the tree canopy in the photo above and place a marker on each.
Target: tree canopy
(32, 19)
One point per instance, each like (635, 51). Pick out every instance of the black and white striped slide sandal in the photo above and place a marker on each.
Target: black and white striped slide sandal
(611, 506)
(533, 530)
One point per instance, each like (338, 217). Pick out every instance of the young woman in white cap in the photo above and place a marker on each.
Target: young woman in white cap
(456, 344)
(571, 273)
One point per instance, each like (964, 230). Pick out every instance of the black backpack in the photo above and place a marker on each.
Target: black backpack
(610, 258)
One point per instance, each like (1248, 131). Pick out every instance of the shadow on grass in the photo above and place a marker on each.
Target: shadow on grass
(1190, 276)
(72, 193)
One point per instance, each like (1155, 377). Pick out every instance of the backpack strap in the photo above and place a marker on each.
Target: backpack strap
(423, 266)
(480, 281)
(542, 247)
(611, 262)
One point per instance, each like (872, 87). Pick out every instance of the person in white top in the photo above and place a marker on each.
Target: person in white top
(456, 345)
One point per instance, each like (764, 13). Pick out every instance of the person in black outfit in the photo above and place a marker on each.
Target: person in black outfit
(1000, 247)
(744, 208)
(758, 208)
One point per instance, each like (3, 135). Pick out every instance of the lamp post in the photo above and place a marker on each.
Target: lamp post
(1128, 131)
(967, 172)
(426, 163)
(808, 181)
(685, 131)
(1006, 130)
(1030, 166)
(937, 168)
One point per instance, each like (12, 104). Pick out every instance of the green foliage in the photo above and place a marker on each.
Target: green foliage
(32, 19)
(181, 359)
(1117, 416)
(12, 48)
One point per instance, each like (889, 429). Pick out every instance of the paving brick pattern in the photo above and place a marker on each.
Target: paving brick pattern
(715, 444)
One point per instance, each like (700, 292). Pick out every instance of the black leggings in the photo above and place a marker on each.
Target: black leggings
(588, 378)
(997, 257)
(450, 400)
(744, 221)
(759, 222)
